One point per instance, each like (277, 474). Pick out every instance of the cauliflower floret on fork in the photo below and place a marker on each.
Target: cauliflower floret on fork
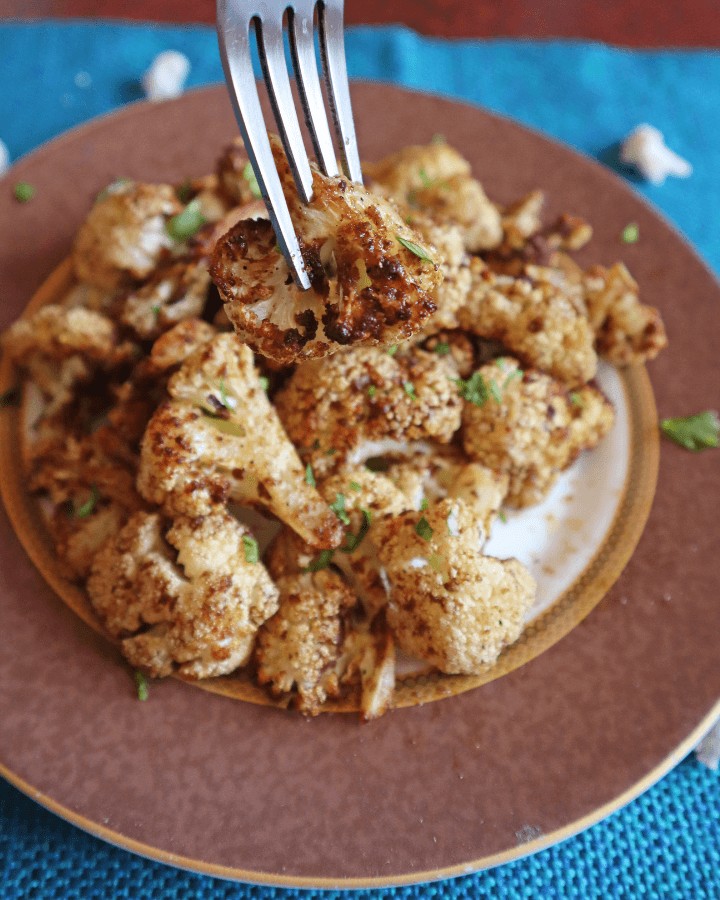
(372, 276)
(367, 402)
(450, 605)
(189, 597)
(219, 438)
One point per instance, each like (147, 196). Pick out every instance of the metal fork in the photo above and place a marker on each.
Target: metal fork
(235, 21)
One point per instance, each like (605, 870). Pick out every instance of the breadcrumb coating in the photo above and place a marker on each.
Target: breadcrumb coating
(449, 604)
(360, 403)
(535, 430)
(626, 330)
(174, 292)
(219, 438)
(125, 234)
(535, 320)
(435, 179)
(191, 584)
(297, 649)
(367, 286)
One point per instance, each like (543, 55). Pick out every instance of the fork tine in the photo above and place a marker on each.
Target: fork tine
(272, 56)
(332, 48)
(302, 46)
(234, 36)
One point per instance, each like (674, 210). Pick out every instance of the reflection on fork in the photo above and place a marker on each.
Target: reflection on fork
(236, 21)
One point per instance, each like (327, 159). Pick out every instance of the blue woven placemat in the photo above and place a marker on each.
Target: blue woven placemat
(666, 844)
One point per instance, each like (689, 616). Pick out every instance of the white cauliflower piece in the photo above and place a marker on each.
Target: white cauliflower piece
(192, 584)
(372, 277)
(165, 79)
(299, 647)
(449, 605)
(435, 179)
(646, 150)
(219, 438)
(530, 428)
(125, 234)
(365, 402)
(537, 321)
(174, 292)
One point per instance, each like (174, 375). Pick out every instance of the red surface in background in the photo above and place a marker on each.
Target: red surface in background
(634, 23)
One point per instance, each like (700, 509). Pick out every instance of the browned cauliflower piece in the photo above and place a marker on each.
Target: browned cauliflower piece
(125, 234)
(428, 477)
(372, 277)
(452, 292)
(299, 648)
(219, 438)
(366, 402)
(235, 174)
(537, 321)
(61, 347)
(532, 428)
(174, 292)
(626, 330)
(522, 219)
(192, 584)
(436, 180)
(449, 604)
(174, 346)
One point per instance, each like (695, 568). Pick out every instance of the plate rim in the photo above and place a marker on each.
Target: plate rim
(546, 840)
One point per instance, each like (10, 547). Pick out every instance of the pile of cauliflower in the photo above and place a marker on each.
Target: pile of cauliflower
(439, 368)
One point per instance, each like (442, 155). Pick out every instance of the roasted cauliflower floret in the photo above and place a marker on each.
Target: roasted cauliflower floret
(298, 648)
(372, 277)
(175, 292)
(436, 180)
(449, 604)
(366, 402)
(219, 438)
(125, 234)
(61, 347)
(174, 346)
(235, 174)
(192, 584)
(532, 428)
(536, 321)
(626, 330)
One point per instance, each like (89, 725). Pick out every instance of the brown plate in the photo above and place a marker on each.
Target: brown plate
(255, 793)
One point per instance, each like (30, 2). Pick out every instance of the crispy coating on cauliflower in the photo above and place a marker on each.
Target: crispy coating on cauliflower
(367, 286)
(366, 402)
(174, 346)
(534, 430)
(436, 180)
(235, 174)
(449, 604)
(536, 321)
(194, 588)
(125, 234)
(298, 648)
(626, 330)
(62, 347)
(219, 438)
(175, 292)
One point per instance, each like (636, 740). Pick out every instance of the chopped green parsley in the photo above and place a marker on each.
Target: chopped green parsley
(423, 529)
(186, 223)
(353, 541)
(338, 507)
(576, 399)
(424, 503)
(442, 349)
(473, 389)
(392, 350)
(184, 191)
(24, 191)
(415, 248)
(310, 476)
(354, 486)
(249, 176)
(631, 233)
(264, 382)
(252, 551)
(698, 432)
(141, 685)
(155, 310)
(409, 389)
(86, 508)
(372, 390)
(502, 516)
(425, 179)
(321, 561)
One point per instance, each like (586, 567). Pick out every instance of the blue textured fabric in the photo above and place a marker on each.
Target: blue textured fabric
(666, 844)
